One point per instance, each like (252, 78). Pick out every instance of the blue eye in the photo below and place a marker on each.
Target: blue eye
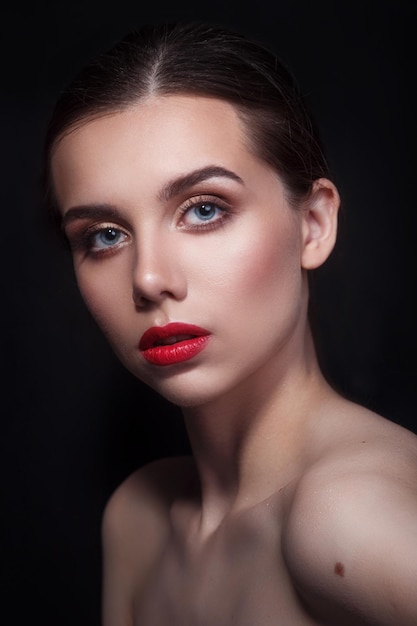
(206, 211)
(106, 238)
(202, 212)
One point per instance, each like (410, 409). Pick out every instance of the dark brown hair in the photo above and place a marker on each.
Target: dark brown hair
(201, 59)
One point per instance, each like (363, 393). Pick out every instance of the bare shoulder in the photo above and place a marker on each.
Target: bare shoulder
(149, 490)
(350, 541)
(135, 526)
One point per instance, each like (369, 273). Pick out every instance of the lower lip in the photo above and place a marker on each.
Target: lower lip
(176, 352)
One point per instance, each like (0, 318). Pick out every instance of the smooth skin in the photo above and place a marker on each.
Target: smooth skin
(298, 507)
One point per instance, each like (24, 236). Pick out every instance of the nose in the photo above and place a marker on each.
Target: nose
(157, 273)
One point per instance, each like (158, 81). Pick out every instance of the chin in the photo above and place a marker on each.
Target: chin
(185, 391)
(184, 398)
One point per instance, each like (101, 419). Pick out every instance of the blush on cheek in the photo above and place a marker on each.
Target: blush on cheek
(271, 260)
(264, 288)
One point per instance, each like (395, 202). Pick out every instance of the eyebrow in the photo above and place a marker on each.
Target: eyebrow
(98, 212)
(169, 190)
(179, 185)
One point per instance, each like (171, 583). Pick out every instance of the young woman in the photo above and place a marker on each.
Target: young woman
(191, 185)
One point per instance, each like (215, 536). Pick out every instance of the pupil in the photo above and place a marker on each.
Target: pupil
(110, 234)
(206, 210)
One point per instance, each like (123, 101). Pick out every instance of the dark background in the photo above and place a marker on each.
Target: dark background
(73, 422)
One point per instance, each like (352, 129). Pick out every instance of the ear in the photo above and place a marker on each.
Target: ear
(319, 224)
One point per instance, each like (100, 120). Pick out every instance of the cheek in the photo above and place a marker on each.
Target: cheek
(265, 265)
(106, 294)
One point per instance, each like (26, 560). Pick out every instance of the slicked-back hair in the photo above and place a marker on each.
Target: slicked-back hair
(207, 60)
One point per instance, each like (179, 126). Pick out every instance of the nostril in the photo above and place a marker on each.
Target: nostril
(140, 301)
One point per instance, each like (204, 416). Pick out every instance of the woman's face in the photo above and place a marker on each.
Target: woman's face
(171, 218)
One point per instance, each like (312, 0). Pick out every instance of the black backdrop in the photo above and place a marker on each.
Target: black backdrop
(73, 422)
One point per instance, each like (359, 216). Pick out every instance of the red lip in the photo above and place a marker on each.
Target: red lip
(174, 343)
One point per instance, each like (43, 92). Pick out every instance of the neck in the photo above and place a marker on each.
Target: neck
(252, 442)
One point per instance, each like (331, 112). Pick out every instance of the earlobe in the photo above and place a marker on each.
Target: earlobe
(319, 224)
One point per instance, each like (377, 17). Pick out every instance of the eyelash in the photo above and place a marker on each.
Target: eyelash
(210, 224)
(85, 240)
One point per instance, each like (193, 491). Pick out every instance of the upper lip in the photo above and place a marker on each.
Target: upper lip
(178, 331)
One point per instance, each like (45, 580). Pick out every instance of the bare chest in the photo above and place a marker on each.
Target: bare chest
(238, 577)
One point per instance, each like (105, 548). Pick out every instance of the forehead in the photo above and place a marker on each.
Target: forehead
(154, 140)
(156, 123)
